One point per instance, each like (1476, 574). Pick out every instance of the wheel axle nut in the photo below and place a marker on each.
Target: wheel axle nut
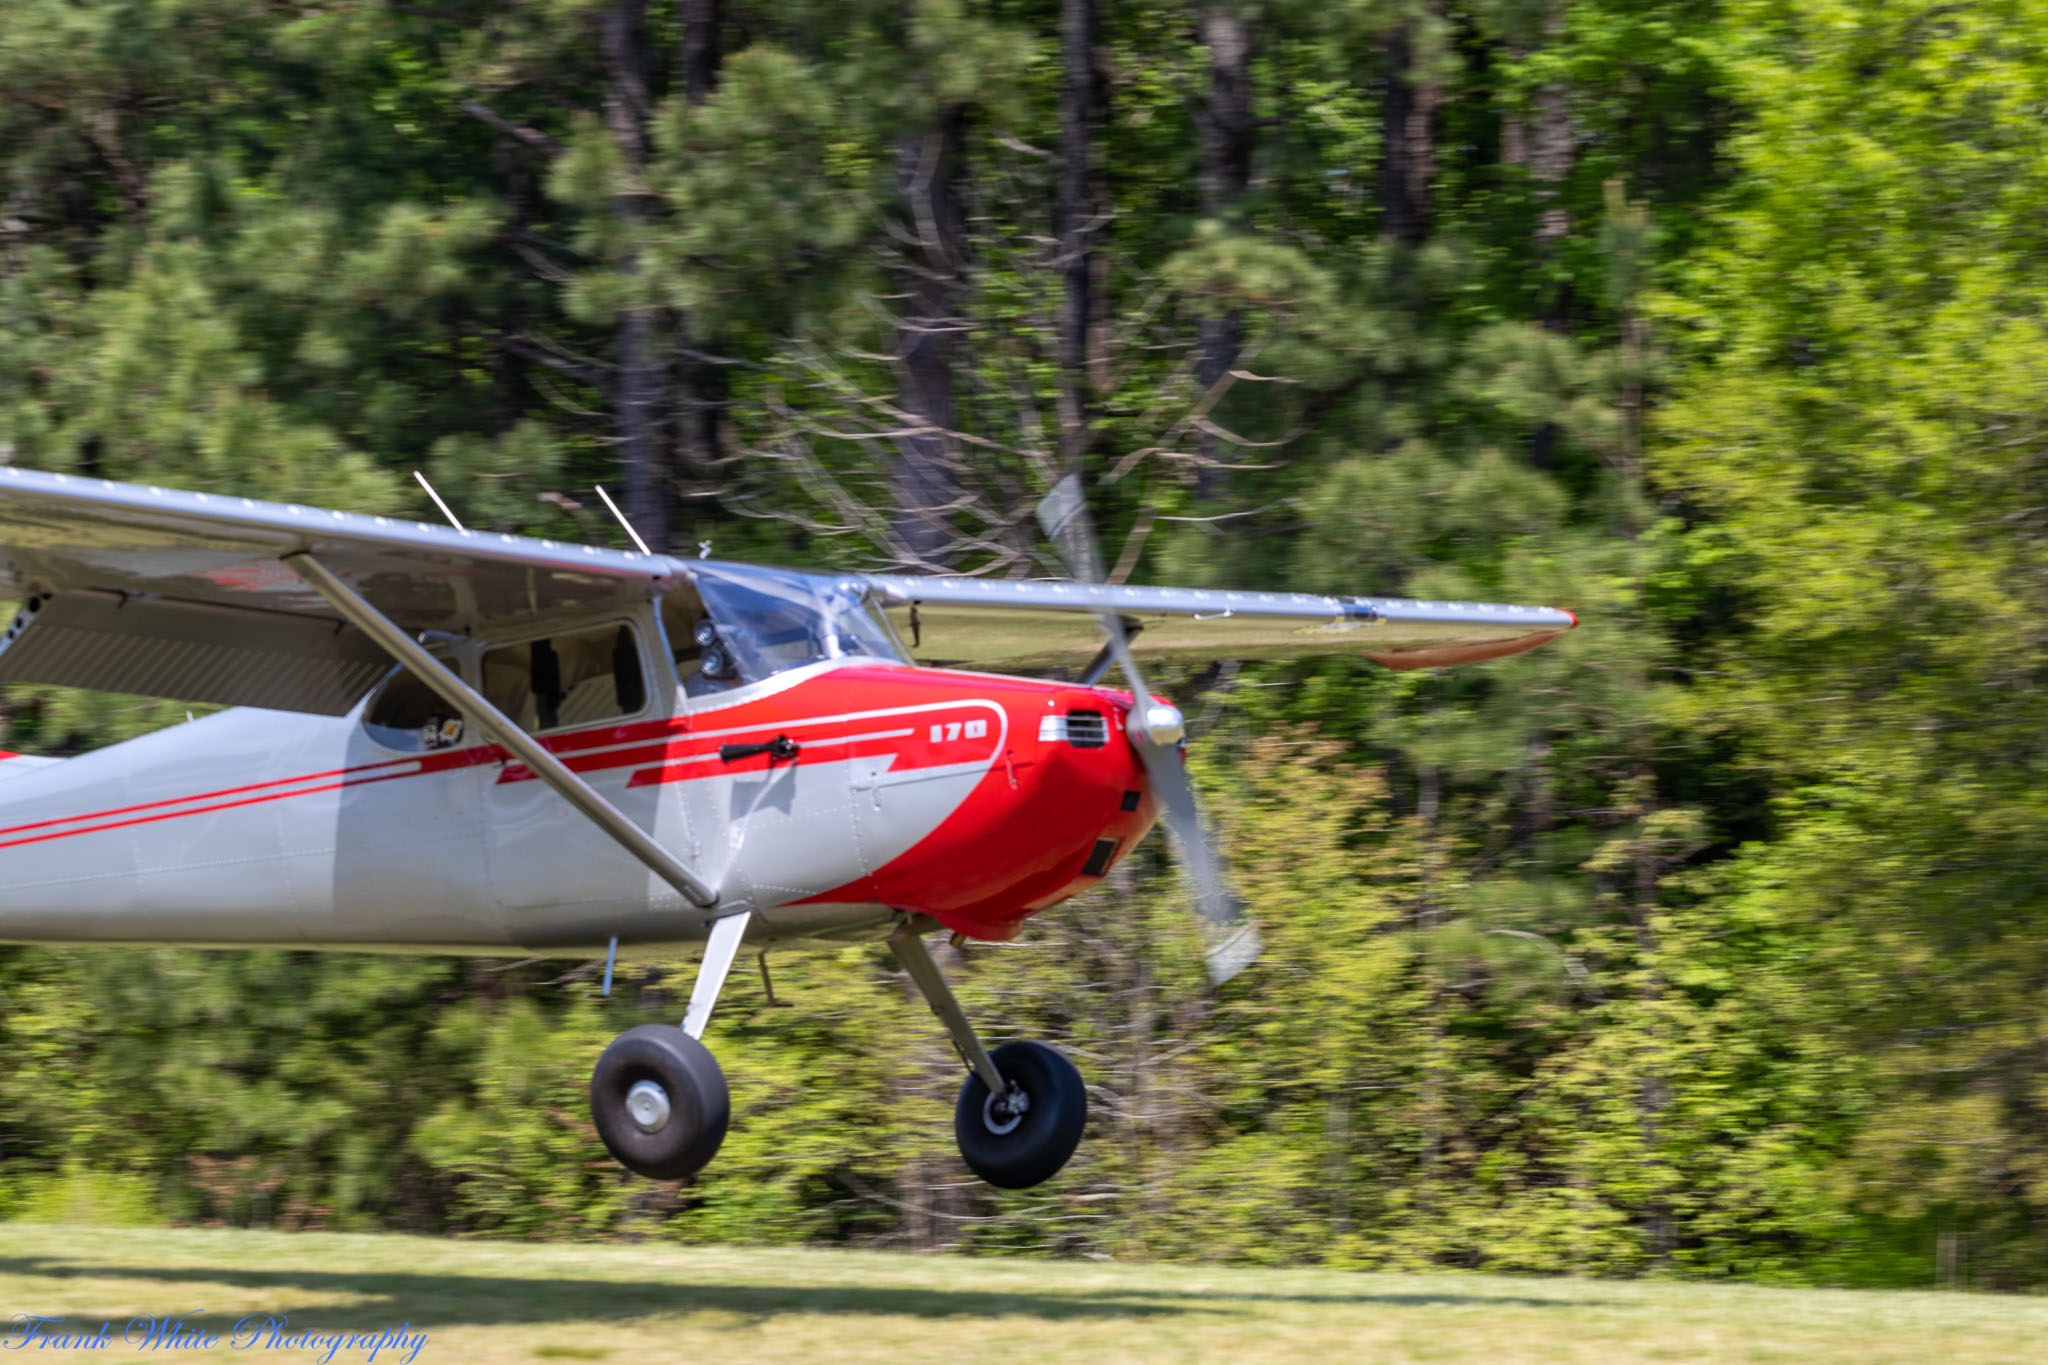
(647, 1104)
(1002, 1113)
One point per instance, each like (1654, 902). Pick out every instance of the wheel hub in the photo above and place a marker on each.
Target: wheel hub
(647, 1105)
(1002, 1113)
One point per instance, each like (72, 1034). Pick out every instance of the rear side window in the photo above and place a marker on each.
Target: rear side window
(578, 679)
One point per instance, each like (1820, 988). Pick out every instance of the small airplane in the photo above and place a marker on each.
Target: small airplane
(454, 741)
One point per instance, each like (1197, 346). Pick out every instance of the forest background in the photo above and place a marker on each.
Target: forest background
(1707, 941)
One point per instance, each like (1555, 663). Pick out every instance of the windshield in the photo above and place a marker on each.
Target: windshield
(767, 620)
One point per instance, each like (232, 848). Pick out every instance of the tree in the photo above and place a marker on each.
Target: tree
(1857, 442)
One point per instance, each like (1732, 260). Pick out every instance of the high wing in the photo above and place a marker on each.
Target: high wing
(187, 596)
(184, 595)
(1014, 624)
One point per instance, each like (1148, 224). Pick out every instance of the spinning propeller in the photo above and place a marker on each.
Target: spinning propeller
(1156, 730)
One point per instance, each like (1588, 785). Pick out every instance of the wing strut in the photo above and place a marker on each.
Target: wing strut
(500, 728)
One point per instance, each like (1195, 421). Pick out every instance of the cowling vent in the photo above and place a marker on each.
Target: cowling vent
(1082, 729)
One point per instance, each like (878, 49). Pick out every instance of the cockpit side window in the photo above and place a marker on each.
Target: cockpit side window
(407, 715)
(688, 629)
(574, 679)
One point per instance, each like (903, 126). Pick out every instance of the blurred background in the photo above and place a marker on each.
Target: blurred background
(1707, 941)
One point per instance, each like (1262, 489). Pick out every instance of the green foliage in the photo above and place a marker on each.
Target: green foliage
(1860, 429)
(767, 193)
(500, 484)
(1702, 942)
(79, 1194)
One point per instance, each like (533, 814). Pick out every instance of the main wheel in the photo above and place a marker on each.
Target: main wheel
(659, 1102)
(1022, 1139)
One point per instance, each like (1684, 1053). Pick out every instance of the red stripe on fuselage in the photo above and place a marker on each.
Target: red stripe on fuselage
(445, 760)
(183, 800)
(588, 751)
(681, 755)
(202, 810)
(594, 763)
(416, 767)
(682, 770)
(425, 763)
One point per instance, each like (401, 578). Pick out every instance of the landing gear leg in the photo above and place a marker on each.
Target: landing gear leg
(1021, 1112)
(657, 1096)
(719, 952)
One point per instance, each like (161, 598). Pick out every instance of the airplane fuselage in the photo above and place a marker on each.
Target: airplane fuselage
(974, 798)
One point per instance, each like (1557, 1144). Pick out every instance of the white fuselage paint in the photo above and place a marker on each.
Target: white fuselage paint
(257, 827)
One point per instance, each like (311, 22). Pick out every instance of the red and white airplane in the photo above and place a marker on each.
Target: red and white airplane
(450, 741)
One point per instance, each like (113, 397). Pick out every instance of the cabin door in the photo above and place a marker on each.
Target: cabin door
(588, 692)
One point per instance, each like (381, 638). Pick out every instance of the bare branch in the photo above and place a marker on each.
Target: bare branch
(1229, 516)
(532, 137)
(581, 368)
(1134, 545)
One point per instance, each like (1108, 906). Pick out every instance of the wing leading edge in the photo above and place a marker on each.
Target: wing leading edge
(60, 532)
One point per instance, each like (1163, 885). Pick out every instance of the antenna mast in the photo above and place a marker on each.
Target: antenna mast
(622, 520)
(437, 501)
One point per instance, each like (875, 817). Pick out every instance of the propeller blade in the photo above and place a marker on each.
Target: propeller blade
(1063, 514)
(1233, 939)
(1156, 730)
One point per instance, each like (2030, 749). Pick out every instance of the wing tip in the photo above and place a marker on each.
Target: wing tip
(1450, 656)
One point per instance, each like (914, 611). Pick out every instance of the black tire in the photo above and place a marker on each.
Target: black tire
(1039, 1141)
(699, 1105)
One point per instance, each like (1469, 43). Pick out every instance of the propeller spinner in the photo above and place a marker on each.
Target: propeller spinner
(1156, 730)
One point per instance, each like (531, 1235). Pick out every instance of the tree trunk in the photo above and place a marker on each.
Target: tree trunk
(1075, 213)
(1224, 122)
(1408, 107)
(1653, 1086)
(1553, 149)
(1429, 921)
(1225, 114)
(1337, 1159)
(1629, 225)
(926, 479)
(1551, 155)
(931, 1189)
(701, 387)
(511, 168)
(638, 396)
(703, 47)
(1544, 145)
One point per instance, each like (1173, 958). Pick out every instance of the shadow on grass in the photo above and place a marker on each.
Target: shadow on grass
(428, 1300)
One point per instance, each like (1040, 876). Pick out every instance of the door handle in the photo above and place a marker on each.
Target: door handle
(779, 749)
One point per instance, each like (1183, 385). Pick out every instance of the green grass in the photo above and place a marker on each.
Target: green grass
(493, 1302)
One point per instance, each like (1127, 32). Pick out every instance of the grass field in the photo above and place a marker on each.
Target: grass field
(480, 1301)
